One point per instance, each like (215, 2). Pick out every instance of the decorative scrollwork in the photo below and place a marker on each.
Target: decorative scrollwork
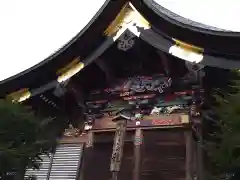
(126, 41)
(71, 131)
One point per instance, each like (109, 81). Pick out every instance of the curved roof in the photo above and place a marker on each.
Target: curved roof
(191, 13)
(30, 35)
(208, 37)
(51, 36)
(161, 31)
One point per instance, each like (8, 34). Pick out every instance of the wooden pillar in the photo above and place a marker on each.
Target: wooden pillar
(194, 159)
(138, 138)
(189, 154)
(90, 139)
(87, 154)
(200, 171)
(199, 149)
(118, 148)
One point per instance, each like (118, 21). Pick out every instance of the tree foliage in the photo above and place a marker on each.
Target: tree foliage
(24, 136)
(223, 140)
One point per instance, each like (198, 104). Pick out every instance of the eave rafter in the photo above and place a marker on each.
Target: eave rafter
(104, 67)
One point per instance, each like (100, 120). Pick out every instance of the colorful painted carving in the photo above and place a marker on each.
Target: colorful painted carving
(71, 131)
(166, 109)
(144, 96)
(135, 86)
(142, 84)
(171, 109)
(174, 100)
(143, 101)
(156, 111)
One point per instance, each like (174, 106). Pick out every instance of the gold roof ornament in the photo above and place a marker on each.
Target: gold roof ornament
(186, 51)
(188, 47)
(141, 21)
(71, 71)
(19, 96)
(73, 63)
(127, 18)
(65, 73)
(119, 21)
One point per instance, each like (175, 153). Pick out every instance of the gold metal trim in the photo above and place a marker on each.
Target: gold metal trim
(127, 15)
(68, 66)
(19, 96)
(188, 47)
(119, 21)
(70, 72)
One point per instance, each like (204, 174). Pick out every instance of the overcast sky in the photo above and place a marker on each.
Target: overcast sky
(31, 30)
(218, 13)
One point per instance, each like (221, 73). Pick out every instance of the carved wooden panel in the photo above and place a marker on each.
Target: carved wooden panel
(148, 121)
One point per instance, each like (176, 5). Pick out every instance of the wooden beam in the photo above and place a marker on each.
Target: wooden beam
(200, 168)
(189, 154)
(87, 156)
(163, 121)
(138, 138)
(165, 62)
(73, 140)
(195, 159)
(104, 67)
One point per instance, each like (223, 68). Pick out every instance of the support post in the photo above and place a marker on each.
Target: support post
(194, 159)
(189, 154)
(200, 171)
(118, 147)
(87, 154)
(90, 139)
(138, 138)
(199, 150)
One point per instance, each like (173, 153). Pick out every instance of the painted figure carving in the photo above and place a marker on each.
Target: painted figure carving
(171, 109)
(141, 84)
(156, 111)
(165, 110)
